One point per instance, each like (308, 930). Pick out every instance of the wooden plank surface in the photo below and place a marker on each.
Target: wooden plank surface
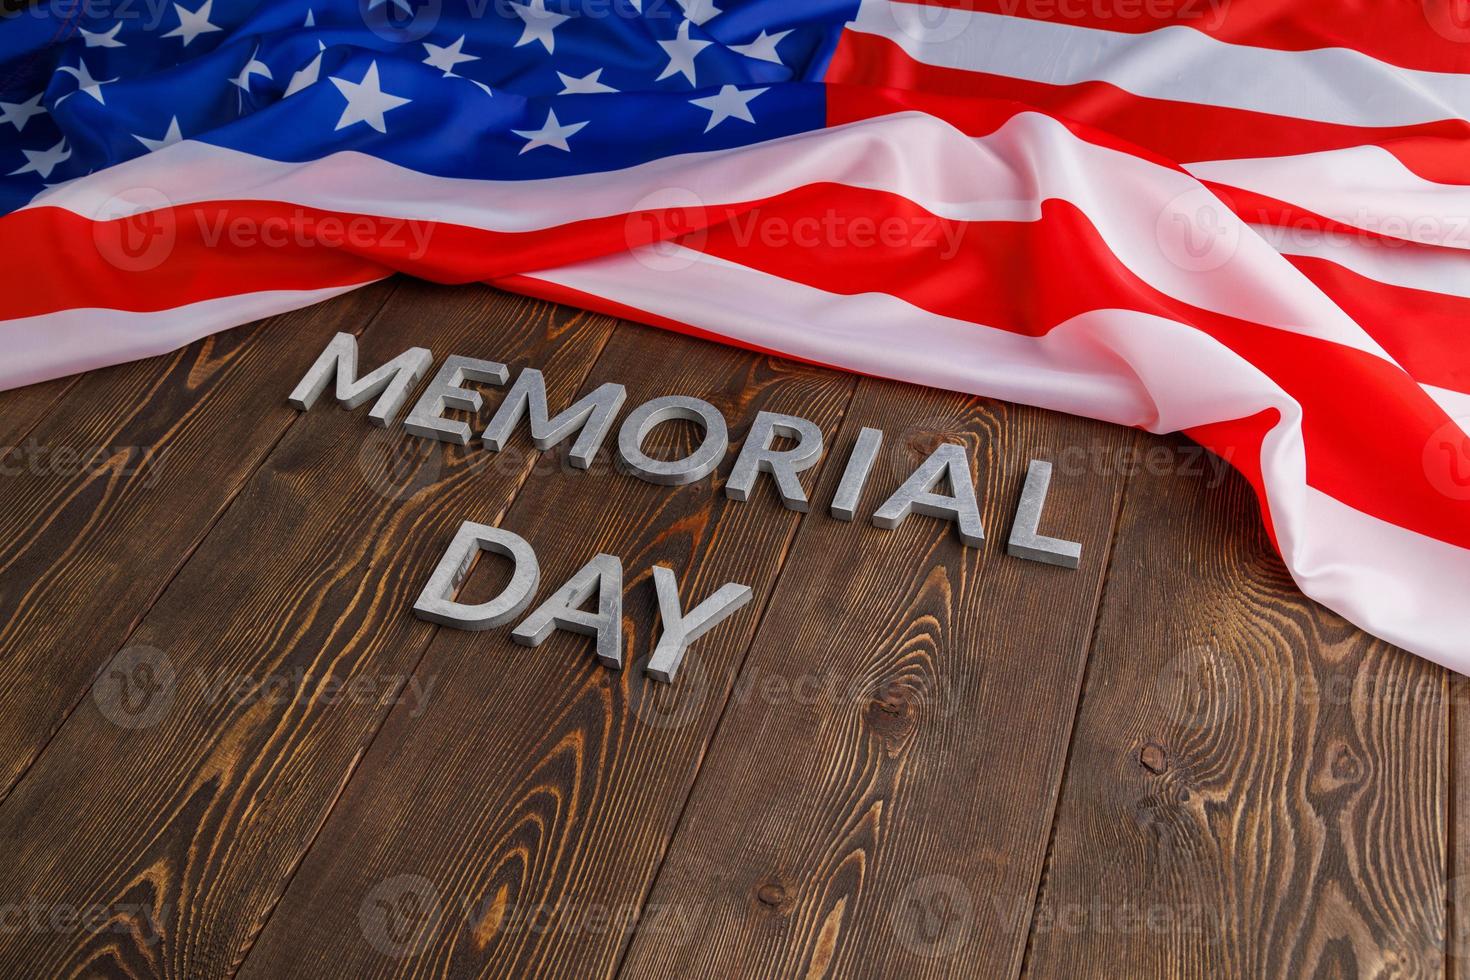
(905, 758)
(125, 475)
(1256, 789)
(886, 784)
(20, 410)
(253, 660)
(528, 807)
(1455, 927)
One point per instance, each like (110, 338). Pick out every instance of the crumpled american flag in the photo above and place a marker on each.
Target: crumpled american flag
(1248, 220)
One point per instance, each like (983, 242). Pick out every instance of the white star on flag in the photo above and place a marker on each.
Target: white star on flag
(700, 11)
(553, 133)
(763, 48)
(366, 100)
(191, 25)
(102, 39)
(20, 113)
(169, 138)
(44, 161)
(540, 23)
(252, 68)
(85, 82)
(588, 84)
(728, 103)
(308, 75)
(682, 52)
(445, 58)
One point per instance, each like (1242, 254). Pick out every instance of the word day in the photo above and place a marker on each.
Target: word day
(940, 486)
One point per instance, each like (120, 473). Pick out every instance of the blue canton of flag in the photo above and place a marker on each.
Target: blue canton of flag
(504, 89)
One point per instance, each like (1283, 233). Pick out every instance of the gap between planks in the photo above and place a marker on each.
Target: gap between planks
(618, 964)
(1083, 674)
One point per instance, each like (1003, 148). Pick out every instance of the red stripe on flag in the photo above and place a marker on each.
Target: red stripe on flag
(1427, 333)
(1179, 131)
(1362, 414)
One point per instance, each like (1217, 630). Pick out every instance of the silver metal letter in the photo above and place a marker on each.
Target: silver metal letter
(594, 415)
(436, 603)
(1025, 542)
(680, 630)
(859, 465)
(675, 473)
(447, 391)
(757, 457)
(391, 383)
(603, 577)
(917, 495)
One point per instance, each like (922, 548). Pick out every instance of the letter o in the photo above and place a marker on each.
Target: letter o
(673, 473)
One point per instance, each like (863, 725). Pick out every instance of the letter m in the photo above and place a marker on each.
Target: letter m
(391, 384)
(593, 415)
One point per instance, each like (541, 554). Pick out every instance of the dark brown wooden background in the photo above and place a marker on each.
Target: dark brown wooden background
(904, 759)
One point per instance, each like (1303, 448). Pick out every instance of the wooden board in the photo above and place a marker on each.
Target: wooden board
(131, 471)
(904, 758)
(20, 410)
(871, 822)
(531, 803)
(1256, 789)
(218, 785)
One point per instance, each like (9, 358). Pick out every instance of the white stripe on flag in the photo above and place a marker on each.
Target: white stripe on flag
(1435, 270)
(1333, 85)
(40, 348)
(1118, 365)
(1362, 186)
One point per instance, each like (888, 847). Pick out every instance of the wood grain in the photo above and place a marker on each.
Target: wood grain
(20, 410)
(878, 768)
(1456, 930)
(121, 480)
(287, 636)
(1256, 789)
(877, 802)
(529, 806)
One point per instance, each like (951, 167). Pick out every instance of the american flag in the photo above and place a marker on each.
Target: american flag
(1248, 220)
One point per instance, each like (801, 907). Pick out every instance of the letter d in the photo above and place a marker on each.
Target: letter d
(436, 603)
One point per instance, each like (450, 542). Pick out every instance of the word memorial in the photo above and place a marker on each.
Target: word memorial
(588, 423)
